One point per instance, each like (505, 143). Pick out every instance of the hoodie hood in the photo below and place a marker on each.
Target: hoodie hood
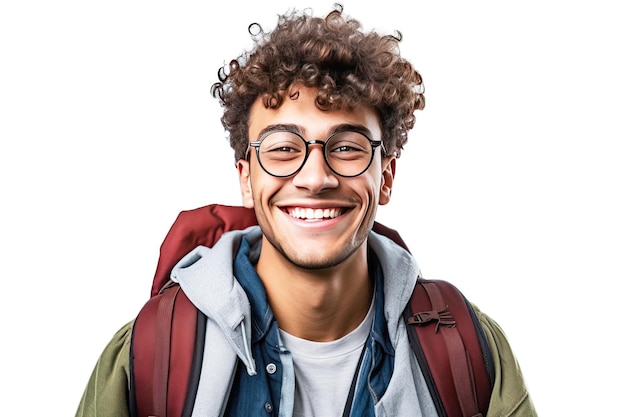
(206, 276)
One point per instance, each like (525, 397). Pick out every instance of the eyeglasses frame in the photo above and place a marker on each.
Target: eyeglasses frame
(257, 144)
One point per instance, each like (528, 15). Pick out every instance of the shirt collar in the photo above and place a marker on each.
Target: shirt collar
(243, 268)
(380, 333)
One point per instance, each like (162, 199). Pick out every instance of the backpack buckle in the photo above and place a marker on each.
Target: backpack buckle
(442, 317)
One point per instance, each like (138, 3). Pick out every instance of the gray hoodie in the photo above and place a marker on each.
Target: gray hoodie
(228, 333)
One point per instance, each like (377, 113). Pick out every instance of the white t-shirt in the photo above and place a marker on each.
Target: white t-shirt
(324, 370)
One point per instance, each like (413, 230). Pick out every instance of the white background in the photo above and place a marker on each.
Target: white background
(512, 184)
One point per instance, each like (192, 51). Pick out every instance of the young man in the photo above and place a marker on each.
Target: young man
(310, 301)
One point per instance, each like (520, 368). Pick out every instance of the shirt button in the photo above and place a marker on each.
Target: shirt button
(268, 407)
(271, 369)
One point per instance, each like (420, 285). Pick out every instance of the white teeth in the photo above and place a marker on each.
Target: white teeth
(313, 214)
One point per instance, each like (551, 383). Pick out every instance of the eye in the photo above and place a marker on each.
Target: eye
(282, 146)
(348, 146)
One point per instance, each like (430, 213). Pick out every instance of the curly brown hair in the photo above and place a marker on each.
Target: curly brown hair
(346, 65)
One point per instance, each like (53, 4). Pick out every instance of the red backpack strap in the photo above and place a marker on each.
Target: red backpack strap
(166, 355)
(453, 353)
(451, 348)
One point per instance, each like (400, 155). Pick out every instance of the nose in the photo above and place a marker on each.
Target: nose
(315, 175)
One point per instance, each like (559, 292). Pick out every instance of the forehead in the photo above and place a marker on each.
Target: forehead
(300, 110)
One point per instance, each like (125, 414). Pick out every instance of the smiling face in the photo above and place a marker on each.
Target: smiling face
(314, 219)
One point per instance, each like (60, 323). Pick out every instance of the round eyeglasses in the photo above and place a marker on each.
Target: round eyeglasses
(282, 153)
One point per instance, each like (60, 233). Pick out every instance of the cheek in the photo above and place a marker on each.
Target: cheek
(264, 187)
(373, 186)
(368, 191)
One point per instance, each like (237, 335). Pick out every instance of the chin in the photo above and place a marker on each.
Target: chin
(314, 260)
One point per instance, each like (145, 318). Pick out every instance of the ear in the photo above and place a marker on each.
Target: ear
(243, 167)
(386, 183)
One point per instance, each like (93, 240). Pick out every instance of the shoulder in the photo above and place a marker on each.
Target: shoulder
(117, 351)
(501, 349)
(114, 362)
(498, 342)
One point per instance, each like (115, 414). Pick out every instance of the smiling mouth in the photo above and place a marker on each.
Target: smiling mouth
(314, 213)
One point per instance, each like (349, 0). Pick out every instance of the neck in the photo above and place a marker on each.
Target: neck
(316, 304)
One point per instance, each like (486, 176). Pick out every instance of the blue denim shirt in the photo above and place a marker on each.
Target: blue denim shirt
(271, 391)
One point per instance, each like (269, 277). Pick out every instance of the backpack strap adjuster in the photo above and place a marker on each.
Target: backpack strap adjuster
(423, 318)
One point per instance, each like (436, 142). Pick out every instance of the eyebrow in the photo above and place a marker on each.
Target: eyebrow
(279, 126)
(342, 127)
